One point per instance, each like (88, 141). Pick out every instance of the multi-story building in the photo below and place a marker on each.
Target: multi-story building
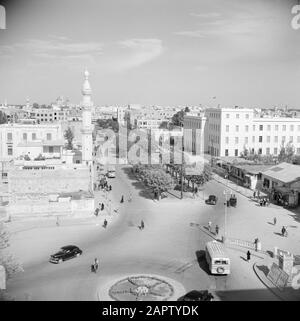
(231, 131)
(32, 140)
(49, 115)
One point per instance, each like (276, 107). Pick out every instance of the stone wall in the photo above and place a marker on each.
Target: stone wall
(47, 181)
(74, 208)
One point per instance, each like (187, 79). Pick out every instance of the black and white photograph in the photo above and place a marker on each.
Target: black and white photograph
(149, 151)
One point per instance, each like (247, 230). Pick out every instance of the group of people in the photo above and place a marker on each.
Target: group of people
(264, 202)
(216, 228)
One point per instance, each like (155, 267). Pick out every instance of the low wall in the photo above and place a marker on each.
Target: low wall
(83, 207)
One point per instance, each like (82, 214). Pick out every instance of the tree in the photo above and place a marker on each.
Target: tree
(6, 259)
(154, 177)
(35, 105)
(69, 136)
(177, 119)
(164, 125)
(3, 118)
(108, 123)
(286, 153)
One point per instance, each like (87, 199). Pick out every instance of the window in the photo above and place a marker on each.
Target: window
(227, 128)
(298, 139)
(33, 136)
(237, 128)
(260, 139)
(291, 139)
(276, 127)
(227, 140)
(246, 128)
(236, 152)
(237, 116)
(9, 150)
(268, 151)
(227, 115)
(275, 151)
(246, 140)
(284, 128)
(9, 136)
(253, 139)
(247, 116)
(260, 151)
(292, 128)
(51, 149)
(48, 136)
(298, 151)
(298, 128)
(236, 140)
(283, 139)
(24, 136)
(253, 128)
(276, 139)
(226, 152)
(261, 127)
(269, 127)
(268, 139)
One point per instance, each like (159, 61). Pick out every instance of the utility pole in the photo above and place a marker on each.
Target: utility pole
(182, 160)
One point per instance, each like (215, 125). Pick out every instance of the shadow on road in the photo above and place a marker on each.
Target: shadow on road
(200, 255)
(263, 268)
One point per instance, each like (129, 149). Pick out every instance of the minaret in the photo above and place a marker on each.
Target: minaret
(87, 129)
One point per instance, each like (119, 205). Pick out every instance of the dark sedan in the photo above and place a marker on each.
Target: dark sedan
(212, 200)
(65, 253)
(197, 296)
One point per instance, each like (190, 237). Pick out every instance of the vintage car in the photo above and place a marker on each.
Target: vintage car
(212, 200)
(65, 253)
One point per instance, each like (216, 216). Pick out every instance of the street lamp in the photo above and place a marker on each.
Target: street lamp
(225, 214)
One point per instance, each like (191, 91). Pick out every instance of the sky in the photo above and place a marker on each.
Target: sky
(152, 52)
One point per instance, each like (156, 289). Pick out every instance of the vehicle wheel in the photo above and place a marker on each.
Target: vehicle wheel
(60, 261)
(78, 254)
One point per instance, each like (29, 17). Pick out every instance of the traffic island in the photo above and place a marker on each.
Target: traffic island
(142, 287)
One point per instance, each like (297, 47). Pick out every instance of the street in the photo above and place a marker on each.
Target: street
(171, 245)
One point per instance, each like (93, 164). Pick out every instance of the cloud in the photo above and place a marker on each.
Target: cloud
(136, 52)
(55, 49)
(206, 15)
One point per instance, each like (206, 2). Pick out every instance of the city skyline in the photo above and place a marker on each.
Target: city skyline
(163, 52)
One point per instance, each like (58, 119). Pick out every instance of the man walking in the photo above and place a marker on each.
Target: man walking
(274, 221)
(248, 256)
(217, 230)
(209, 226)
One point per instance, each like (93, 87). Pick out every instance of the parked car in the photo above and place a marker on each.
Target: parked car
(197, 296)
(212, 200)
(65, 253)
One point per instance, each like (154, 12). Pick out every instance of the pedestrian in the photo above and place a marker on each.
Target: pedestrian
(248, 256)
(105, 223)
(110, 187)
(274, 221)
(209, 226)
(142, 225)
(122, 199)
(196, 190)
(283, 231)
(96, 265)
(254, 194)
(258, 194)
(57, 221)
(217, 229)
(102, 206)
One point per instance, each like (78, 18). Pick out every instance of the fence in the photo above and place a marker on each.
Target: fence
(243, 243)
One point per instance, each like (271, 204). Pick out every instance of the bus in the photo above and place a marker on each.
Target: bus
(217, 258)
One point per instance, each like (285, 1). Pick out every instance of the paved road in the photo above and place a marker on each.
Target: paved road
(171, 245)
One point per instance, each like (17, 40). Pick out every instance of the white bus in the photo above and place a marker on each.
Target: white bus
(217, 258)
